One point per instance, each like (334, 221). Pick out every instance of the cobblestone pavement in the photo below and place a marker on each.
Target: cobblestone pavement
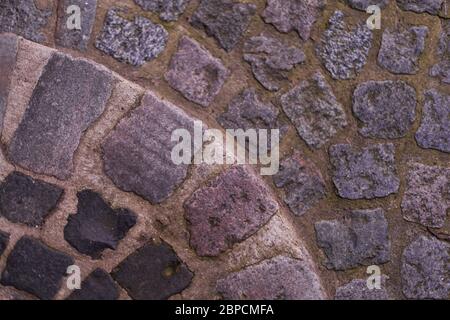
(87, 181)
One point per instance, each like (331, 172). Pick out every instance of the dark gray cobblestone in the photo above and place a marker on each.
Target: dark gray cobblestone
(358, 290)
(4, 240)
(8, 55)
(169, 10)
(99, 285)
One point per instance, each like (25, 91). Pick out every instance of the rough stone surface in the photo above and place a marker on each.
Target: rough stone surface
(225, 20)
(343, 50)
(75, 38)
(279, 278)
(195, 73)
(23, 18)
(303, 184)
(153, 272)
(97, 226)
(70, 95)
(133, 42)
(401, 49)
(289, 15)
(314, 111)
(364, 173)
(358, 290)
(425, 269)
(427, 196)
(434, 130)
(137, 154)
(364, 4)
(4, 239)
(271, 60)
(36, 268)
(8, 54)
(27, 200)
(421, 6)
(387, 109)
(360, 239)
(97, 286)
(169, 10)
(229, 209)
(442, 68)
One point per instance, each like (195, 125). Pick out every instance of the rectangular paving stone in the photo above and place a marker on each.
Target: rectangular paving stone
(8, 55)
(75, 38)
(70, 95)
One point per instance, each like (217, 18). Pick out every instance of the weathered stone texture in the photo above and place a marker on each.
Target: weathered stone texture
(133, 42)
(27, 200)
(442, 68)
(96, 226)
(421, 6)
(4, 240)
(137, 154)
(387, 109)
(271, 60)
(425, 269)
(229, 209)
(195, 73)
(36, 268)
(153, 272)
(364, 4)
(401, 49)
(303, 184)
(8, 55)
(97, 286)
(360, 239)
(68, 37)
(314, 111)
(358, 290)
(169, 10)
(70, 95)
(289, 15)
(427, 196)
(225, 20)
(434, 130)
(364, 173)
(343, 49)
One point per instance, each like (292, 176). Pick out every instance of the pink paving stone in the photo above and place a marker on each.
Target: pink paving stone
(229, 209)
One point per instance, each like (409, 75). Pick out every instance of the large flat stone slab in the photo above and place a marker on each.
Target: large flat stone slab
(70, 95)
(8, 55)
(228, 210)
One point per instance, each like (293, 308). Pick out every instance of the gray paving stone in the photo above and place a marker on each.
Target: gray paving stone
(271, 60)
(364, 4)
(314, 111)
(425, 269)
(169, 10)
(421, 6)
(96, 226)
(434, 130)
(303, 184)
(137, 154)
(343, 49)
(387, 109)
(27, 200)
(401, 49)
(153, 272)
(289, 15)
(427, 196)
(195, 73)
(23, 18)
(8, 55)
(364, 173)
(442, 68)
(279, 278)
(361, 238)
(225, 20)
(228, 210)
(358, 290)
(133, 42)
(70, 95)
(35, 268)
(74, 38)
(97, 286)
(4, 240)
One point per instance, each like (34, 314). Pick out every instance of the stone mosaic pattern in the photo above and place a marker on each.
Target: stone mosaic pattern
(87, 179)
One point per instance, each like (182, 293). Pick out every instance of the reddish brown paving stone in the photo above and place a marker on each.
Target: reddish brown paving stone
(70, 95)
(137, 154)
(99, 285)
(8, 55)
(228, 210)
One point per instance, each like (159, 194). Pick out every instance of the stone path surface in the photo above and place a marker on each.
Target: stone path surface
(94, 108)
